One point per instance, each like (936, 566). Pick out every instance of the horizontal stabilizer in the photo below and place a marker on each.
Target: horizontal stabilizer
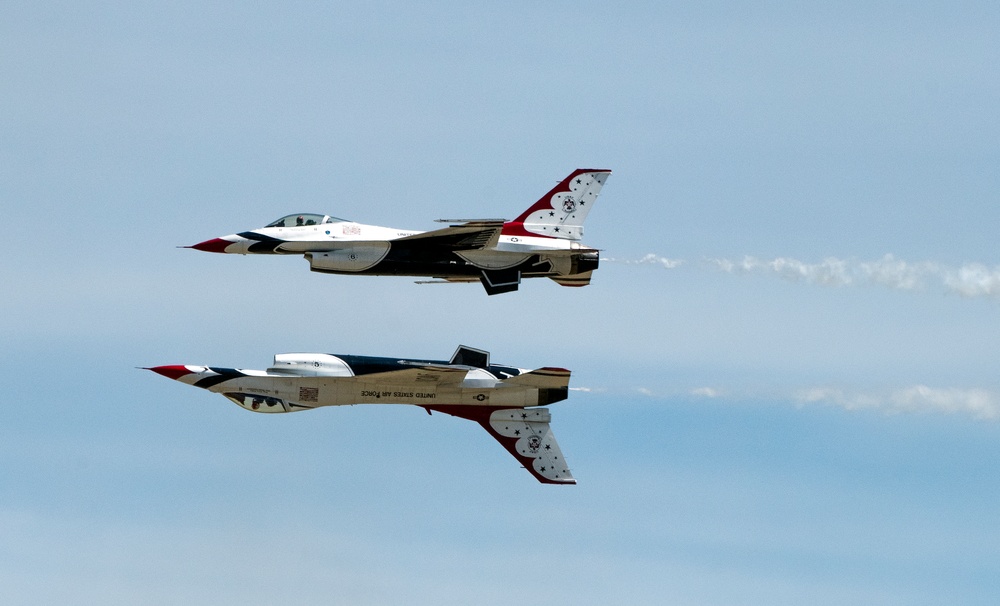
(552, 383)
(582, 279)
(543, 377)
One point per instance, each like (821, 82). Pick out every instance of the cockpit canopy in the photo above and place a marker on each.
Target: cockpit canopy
(300, 219)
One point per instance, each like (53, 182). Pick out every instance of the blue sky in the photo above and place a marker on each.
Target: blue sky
(787, 360)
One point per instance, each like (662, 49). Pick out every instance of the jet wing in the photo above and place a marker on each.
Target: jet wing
(525, 433)
(439, 374)
(471, 235)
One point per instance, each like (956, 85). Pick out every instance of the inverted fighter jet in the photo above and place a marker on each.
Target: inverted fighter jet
(502, 399)
(543, 242)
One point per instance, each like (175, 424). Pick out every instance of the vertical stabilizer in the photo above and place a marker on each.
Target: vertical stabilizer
(524, 433)
(561, 212)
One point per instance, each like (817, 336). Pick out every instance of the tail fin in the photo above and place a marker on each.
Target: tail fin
(561, 212)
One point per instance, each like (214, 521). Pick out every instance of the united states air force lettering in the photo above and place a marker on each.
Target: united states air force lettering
(368, 393)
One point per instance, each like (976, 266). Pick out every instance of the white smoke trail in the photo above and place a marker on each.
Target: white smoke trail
(971, 280)
(887, 271)
(649, 259)
(978, 403)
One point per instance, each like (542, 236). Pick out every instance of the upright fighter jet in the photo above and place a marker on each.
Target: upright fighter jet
(502, 399)
(543, 242)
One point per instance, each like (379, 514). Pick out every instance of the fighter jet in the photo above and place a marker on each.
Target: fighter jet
(543, 242)
(502, 399)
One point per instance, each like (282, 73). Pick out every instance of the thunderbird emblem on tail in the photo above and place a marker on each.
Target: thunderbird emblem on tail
(503, 399)
(543, 242)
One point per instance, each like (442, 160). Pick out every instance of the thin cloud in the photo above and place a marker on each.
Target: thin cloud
(705, 392)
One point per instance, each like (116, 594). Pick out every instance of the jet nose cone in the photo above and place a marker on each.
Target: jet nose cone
(216, 245)
(171, 372)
